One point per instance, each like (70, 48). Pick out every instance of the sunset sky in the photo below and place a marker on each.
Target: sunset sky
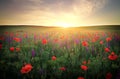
(60, 12)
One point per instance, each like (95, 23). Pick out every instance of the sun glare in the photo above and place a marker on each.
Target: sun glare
(64, 25)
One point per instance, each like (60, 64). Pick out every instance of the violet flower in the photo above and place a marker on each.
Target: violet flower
(33, 53)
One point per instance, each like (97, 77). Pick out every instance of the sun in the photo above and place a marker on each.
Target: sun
(63, 24)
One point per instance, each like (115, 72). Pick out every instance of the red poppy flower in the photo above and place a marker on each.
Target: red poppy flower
(11, 34)
(17, 34)
(53, 57)
(108, 39)
(6, 33)
(44, 41)
(80, 78)
(62, 37)
(97, 38)
(27, 68)
(83, 67)
(108, 75)
(107, 49)
(93, 40)
(84, 43)
(25, 35)
(16, 39)
(101, 42)
(55, 40)
(112, 56)
(0, 46)
(12, 49)
(17, 49)
(62, 68)
(84, 62)
(23, 70)
(2, 38)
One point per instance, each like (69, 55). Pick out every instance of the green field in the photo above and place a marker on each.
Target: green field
(28, 28)
(37, 52)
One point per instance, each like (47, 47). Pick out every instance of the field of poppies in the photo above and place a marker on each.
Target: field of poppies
(59, 54)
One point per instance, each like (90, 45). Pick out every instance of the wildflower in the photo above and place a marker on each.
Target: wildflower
(17, 39)
(84, 43)
(62, 37)
(107, 49)
(44, 41)
(27, 68)
(53, 57)
(83, 67)
(62, 68)
(0, 46)
(80, 78)
(12, 49)
(76, 41)
(101, 42)
(17, 49)
(108, 76)
(11, 34)
(108, 39)
(55, 40)
(93, 40)
(84, 62)
(97, 38)
(25, 35)
(6, 33)
(112, 56)
(17, 34)
(2, 38)
(33, 52)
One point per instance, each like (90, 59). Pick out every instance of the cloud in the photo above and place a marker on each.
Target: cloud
(52, 11)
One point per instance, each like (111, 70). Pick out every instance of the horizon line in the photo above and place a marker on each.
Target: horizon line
(57, 26)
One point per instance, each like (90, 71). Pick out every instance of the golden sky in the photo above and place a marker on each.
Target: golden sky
(59, 12)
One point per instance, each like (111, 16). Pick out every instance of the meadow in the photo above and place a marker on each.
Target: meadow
(32, 52)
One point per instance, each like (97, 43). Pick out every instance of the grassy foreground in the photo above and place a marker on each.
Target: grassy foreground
(59, 53)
